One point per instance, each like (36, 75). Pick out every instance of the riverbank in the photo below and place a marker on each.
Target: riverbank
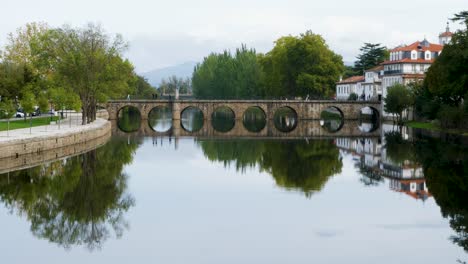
(434, 127)
(42, 138)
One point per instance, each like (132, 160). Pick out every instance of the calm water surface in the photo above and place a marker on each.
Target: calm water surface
(394, 198)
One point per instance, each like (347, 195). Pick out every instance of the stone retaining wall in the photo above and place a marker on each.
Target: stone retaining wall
(35, 159)
(54, 140)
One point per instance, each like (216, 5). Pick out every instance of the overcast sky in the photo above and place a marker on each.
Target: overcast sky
(165, 33)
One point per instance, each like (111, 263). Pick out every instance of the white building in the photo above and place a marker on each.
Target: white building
(348, 86)
(445, 37)
(372, 85)
(408, 64)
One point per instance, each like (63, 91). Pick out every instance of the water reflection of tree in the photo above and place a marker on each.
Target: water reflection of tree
(445, 168)
(129, 119)
(370, 176)
(77, 201)
(293, 164)
(446, 171)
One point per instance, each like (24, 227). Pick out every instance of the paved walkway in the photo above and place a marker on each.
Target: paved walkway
(71, 124)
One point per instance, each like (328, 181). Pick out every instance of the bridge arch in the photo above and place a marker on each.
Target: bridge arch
(129, 118)
(370, 110)
(223, 118)
(192, 119)
(254, 119)
(332, 119)
(160, 118)
(285, 119)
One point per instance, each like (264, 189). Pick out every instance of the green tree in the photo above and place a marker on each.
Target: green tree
(353, 97)
(350, 71)
(371, 55)
(227, 75)
(7, 108)
(11, 79)
(89, 63)
(43, 103)
(301, 66)
(23, 54)
(169, 85)
(447, 78)
(398, 99)
(141, 88)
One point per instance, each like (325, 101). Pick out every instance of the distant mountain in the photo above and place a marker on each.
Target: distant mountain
(182, 70)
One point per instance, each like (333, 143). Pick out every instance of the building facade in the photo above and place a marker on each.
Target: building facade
(348, 86)
(408, 64)
(372, 85)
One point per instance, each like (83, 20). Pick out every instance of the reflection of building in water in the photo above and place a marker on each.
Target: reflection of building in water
(370, 155)
(415, 188)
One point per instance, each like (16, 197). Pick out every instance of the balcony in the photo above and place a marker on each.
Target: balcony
(393, 72)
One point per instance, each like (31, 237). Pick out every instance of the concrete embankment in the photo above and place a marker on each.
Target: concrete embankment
(21, 142)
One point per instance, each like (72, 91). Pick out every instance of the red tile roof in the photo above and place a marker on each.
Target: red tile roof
(432, 47)
(375, 69)
(407, 60)
(352, 79)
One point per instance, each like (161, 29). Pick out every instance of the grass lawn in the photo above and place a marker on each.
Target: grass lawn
(16, 124)
(424, 125)
(431, 126)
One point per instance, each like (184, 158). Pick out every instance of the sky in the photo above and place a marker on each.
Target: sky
(167, 33)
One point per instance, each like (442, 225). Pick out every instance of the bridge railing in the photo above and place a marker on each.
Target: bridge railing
(272, 98)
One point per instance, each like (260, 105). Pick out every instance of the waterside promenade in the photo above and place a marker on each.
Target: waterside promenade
(42, 138)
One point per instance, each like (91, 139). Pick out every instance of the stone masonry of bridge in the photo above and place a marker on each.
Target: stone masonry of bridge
(304, 129)
(304, 109)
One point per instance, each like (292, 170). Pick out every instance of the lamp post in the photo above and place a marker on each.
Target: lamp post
(8, 124)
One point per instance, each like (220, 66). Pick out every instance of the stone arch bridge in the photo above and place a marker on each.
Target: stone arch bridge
(311, 110)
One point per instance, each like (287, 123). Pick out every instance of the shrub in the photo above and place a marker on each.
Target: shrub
(352, 97)
(451, 116)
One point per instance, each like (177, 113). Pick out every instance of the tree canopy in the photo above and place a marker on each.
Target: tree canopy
(447, 78)
(87, 63)
(371, 55)
(226, 75)
(397, 100)
(301, 66)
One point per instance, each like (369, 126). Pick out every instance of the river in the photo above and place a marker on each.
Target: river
(395, 197)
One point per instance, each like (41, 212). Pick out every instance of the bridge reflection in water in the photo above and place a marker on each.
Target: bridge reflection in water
(282, 128)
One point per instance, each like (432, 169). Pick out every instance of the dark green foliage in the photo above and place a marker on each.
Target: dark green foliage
(447, 78)
(451, 116)
(445, 166)
(129, 119)
(77, 201)
(226, 75)
(371, 55)
(398, 99)
(350, 71)
(294, 164)
(301, 66)
(353, 97)
(141, 88)
(426, 105)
